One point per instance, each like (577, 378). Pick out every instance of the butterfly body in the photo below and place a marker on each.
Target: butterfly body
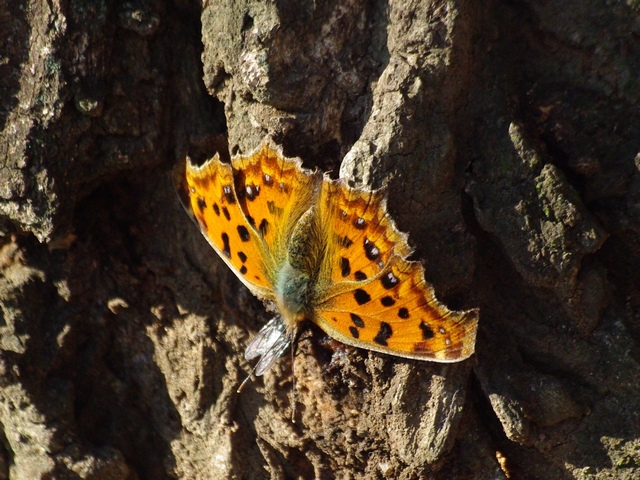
(293, 295)
(317, 249)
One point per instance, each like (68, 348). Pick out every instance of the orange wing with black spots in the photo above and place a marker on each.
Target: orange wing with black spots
(396, 312)
(360, 235)
(247, 208)
(370, 296)
(274, 193)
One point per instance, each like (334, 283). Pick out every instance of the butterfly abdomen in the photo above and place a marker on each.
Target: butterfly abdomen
(293, 293)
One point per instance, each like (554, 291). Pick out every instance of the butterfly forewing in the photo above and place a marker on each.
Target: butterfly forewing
(360, 236)
(274, 193)
(208, 194)
(269, 344)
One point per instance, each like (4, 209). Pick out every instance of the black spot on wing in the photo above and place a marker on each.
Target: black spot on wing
(242, 256)
(359, 223)
(228, 194)
(403, 313)
(226, 249)
(216, 209)
(345, 242)
(360, 276)
(387, 301)
(201, 204)
(389, 280)
(427, 333)
(274, 209)
(357, 321)
(243, 270)
(383, 334)
(226, 213)
(252, 191)
(244, 233)
(361, 296)
(370, 250)
(264, 226)
(345, 267)
(354, 332)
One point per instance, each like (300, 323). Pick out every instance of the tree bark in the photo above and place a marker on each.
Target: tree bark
(508, 134)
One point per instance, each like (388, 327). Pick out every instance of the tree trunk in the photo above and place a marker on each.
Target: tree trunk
(509, 136)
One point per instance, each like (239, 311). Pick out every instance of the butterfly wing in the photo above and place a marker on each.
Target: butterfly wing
(360, 235)
(388, 307)
(274, 192)
(268, 344)
(246, 210)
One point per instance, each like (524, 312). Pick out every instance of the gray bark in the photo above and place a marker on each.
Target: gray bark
(509, 136)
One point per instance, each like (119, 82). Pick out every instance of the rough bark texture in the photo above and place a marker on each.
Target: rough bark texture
(509, 133)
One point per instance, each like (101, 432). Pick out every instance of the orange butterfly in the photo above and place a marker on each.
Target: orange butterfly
(317, 249)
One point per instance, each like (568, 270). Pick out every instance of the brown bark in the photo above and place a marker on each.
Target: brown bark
(509, 134)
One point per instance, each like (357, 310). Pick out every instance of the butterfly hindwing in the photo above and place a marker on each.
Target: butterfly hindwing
(396, 312)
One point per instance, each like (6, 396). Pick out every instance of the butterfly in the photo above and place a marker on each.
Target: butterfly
(317, 249)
